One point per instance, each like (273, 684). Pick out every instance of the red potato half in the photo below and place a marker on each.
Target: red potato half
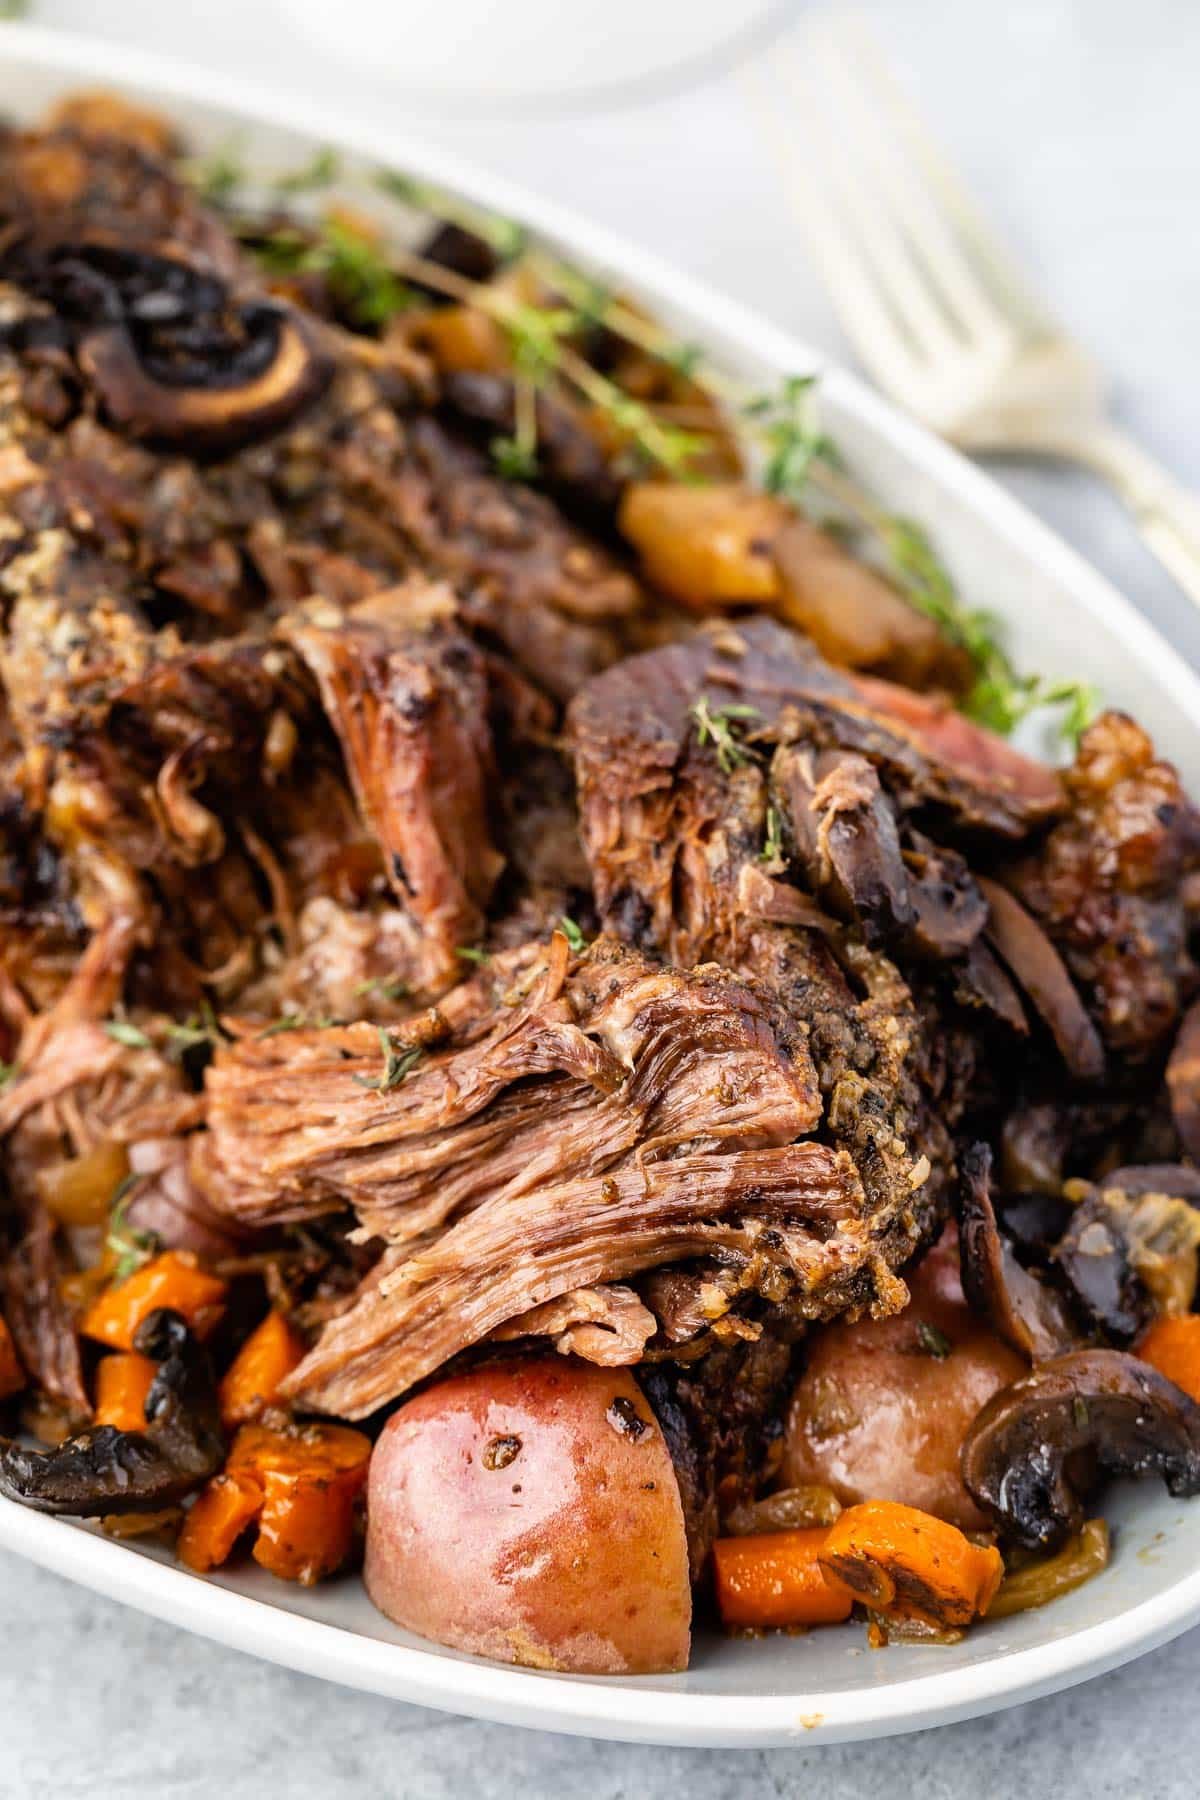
(882, 1406)
(529, 1511)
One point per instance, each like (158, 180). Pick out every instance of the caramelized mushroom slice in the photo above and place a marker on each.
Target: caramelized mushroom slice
(230, 393)
(845, 836)
(1020, 1307)
(104, 1470)
(1022, 1454)
(1028, 952)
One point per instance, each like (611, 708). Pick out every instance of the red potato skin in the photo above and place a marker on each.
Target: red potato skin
(572, 1555)
(877, 1417)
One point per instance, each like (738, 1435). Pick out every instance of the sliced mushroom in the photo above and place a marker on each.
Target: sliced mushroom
(981, 983)
(1021, 1308)
(1176, 1179)
(1105, 1409)
(1130, 1257)
(1183, 1080)
(104, 1470)
(1033, 1223)
(949, 909)
(230, 393)
(844, 832)
(1028, 952)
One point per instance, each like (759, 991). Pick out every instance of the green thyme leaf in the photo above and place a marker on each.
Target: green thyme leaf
(932, 1341)
(535, 334)
(575, 938)
(8, 1074)
(322, 169)
(385, 988)
(199, 1028)
(470, 954)
(789, 426)
(218, 177)
(396, 1065)
(508, 239)
(513, 460)
(772, 848)
(124, 1033)
(128, 1243)
(715, 725)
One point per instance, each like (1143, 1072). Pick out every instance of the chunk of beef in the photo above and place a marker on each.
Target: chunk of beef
(1106, 885)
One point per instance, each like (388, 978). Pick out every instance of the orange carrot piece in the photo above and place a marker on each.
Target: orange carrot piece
(217, 1518)
(906, 1564)
(174, 1279)
(251, 1383)
(311, 1478)
(1172, 1346)
(12, 1375)
(774, 1579)
(122, 1383)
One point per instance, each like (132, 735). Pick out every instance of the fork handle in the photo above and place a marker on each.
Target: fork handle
(1167, 515)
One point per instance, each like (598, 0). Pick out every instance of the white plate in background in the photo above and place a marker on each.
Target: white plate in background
(1063, 619)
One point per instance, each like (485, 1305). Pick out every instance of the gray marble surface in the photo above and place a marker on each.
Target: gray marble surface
(1076, 122)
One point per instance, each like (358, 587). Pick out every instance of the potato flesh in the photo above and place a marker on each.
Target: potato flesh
(879, 1415)
(529, 1511)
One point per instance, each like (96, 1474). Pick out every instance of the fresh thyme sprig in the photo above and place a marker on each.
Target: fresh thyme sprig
(388, 988)
(772, 848)
(122, 1031)
(715, 726)
(396, 1065)
(797, 455)
(201, 1027)
(575, 938)
(323, 168)
(129, 1244)
(793, 441)
(999, 696)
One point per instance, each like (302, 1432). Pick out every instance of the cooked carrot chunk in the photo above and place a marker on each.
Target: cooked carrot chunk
(251, 1382)
(1172, 1346)
(311, 1479)
(906, 1564)
(228, 1505)
(301, 1486)
(174, 1279)
(12, 1375)
(122, 1383)
(774, 1579)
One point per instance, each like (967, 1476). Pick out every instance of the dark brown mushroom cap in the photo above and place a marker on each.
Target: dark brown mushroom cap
(1022, 1454)
(1040, 970)
(103, 1470)
(213, 403)
(1020, 1307)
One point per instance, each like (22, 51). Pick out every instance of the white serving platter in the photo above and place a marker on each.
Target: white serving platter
(1063, 619)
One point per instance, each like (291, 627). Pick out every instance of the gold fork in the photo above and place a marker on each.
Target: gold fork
(933, 307)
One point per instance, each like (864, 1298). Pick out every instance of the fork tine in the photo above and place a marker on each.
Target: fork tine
(850, 280)
(928, 231)
(993, 263)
